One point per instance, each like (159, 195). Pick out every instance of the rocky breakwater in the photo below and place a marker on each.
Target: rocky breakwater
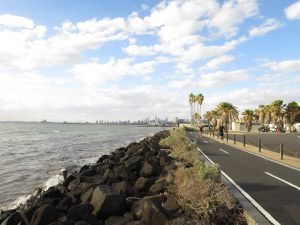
(128, 186)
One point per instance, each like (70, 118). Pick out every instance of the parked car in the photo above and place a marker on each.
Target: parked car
(263, 129)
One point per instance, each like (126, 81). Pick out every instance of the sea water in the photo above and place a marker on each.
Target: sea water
(35, 154)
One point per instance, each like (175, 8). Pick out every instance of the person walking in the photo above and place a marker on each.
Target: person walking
(221, 132)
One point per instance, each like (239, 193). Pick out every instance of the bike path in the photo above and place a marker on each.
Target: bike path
(275, 187)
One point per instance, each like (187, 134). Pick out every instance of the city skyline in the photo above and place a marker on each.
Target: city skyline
(122, 60)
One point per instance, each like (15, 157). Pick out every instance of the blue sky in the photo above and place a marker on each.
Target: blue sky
(119, 60)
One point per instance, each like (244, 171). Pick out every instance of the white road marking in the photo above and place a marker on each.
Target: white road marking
(284, 181)
(205, 141)
(223, 151)
(258, 206)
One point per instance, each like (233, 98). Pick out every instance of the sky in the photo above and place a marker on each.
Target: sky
(118, 60)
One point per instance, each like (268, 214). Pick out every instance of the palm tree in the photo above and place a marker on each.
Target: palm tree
(248, 116)
(291, 111)
(261, 113)
(228, 112)
(191, 101)
(277, 112)
(197, 118)
(200, 98)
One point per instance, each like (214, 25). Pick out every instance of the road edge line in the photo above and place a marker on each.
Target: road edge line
(245, 194)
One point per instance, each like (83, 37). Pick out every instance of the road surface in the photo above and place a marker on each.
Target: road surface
(274, 187)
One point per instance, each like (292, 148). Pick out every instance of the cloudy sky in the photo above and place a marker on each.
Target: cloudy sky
(87, 60)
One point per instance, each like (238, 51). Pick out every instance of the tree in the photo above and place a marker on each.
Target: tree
(228, 112)
(191, 101)
(291, 111)
(248, 117)
(277, 112)
(197, 118)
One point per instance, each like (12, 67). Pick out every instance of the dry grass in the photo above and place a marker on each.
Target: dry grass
(211, 201)
(181, 146)
(198, 189)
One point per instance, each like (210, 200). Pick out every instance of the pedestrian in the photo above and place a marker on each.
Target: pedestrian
(200, 130)
(221, 132)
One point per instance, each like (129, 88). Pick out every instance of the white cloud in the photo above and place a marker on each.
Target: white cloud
(13, 21)
(92, 73)
(284, 66)
(136, 50)
(217, 62)
(292, 12)
(266, 27)
(231, 14)
(215, 79)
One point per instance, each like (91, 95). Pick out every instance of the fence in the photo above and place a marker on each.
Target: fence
(259, 143)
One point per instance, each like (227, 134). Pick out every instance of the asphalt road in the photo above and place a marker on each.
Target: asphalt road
(268, 183)
(272, 141)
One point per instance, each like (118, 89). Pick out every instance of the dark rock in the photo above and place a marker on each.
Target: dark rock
(107, 202)
(134, 163)
(135, 223)
(120, 172)
(164, 157)
(143, 184)
(77, 212)
(91, 219)
(157, 188)
(28, 212)
(147, 170)
(52, 192)
(64, 204)
(91, 179)
(123, 187)
(150, 212)
(133, 148)
(68, 178)
(12, 219)
(86, 197)
(88, 172)
(44, 215)
(82, 223)
(115, 220)
(80, 189)
(188, 165)
(130, 201)
(103, 159)
(171, 204)
(66, 222)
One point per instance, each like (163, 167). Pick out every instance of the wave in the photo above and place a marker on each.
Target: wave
(23, 199)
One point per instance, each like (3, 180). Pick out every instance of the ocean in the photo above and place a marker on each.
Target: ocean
(34, 154)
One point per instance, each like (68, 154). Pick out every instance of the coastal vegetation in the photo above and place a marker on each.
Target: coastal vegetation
(197, 186)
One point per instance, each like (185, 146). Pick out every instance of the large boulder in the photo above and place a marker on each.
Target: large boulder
(150, 212)
(77, 212)
(107, 202)
(143, 184)
(12, 219)
(134, 162)
(171, 204)
(44, 215)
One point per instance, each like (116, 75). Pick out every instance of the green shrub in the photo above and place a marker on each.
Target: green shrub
(205, 171)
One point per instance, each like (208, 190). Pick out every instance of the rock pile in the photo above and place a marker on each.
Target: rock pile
(125, 187)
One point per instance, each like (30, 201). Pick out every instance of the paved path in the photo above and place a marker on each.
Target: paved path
(273, 186)
(271, 141)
